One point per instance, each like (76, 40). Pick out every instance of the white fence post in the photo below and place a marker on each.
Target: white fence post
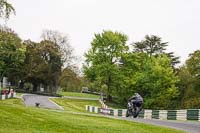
(147, 114)
(181, 115)
(163, 114)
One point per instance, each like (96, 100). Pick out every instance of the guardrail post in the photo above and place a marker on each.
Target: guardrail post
(124, 112)
(163, 114)
(119, 112)
(96, 109)
(199, 114)
(193, 114)
(171, 114)
(87, 107)
(147, 114)
(141, 114)
(112, 112)
(181, 115)
(2, 97)
(155, 114)
(115, 112)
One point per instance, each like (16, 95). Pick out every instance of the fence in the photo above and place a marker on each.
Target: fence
(189, 114)
(7, 96)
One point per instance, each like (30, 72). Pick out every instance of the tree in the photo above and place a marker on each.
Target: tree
(101, 58)
(42, 65)
(158, 82)
(12, 53)
(64, 48)
(6, 9)
(52, 58)
(69, 80)
(44, 61)
(190, 81)
(153, 45)
(193, 64)
(185, 86)
(32, 60)
(152, 77)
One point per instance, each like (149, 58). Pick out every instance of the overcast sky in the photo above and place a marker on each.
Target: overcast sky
(176, 21)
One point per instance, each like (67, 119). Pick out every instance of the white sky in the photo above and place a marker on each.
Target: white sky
(176, 21)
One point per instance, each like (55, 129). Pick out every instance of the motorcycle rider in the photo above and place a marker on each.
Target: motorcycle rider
(134, 105)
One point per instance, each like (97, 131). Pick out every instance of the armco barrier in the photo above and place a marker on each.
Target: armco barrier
(7, 96)
(162, 114)
(193, 114)
(189, 114)
(147, 114)
(141, 114)
(199, 115)
(155, 114)
(171, 114)
(181, 115)
(2, 97)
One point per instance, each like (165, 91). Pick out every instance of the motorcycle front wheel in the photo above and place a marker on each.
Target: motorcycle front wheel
(136, 112)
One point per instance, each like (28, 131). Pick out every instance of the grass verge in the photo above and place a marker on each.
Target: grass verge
(16, 118)
(75, 104)
(76, 94)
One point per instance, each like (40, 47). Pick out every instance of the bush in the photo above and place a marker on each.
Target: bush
(192, 103)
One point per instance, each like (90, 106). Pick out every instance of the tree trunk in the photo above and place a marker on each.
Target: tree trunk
(35, 87)
(21, 85)
(109, 97)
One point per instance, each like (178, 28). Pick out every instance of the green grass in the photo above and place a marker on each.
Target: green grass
(76, 94)
(85, 95)
(75, 104)
(11, 102)
(19, 94)
(16, 118)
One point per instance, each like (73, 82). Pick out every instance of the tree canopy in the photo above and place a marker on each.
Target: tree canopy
(6, 9)
(153, 45)
(101, 58)
(189, 84)
(118, 72)
(12, 53)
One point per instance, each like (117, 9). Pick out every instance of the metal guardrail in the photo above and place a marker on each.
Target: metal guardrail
(187, 114)
(7, 96)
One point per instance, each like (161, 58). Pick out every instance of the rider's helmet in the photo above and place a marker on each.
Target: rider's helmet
(136, 95)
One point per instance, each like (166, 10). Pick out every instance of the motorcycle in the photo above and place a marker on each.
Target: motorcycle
(133, 110)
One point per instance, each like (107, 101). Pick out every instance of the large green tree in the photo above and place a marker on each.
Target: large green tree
(12, 53)
(189, 84)
(42, 64)
(32, 65)
(157, 83)
(101, 59)
(44, 60)
(152, 77)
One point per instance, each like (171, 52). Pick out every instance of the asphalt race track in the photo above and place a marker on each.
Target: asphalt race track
(31, 100)
(188, 126)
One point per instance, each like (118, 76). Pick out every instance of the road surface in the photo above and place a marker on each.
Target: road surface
(188, 126)
(32, 99)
